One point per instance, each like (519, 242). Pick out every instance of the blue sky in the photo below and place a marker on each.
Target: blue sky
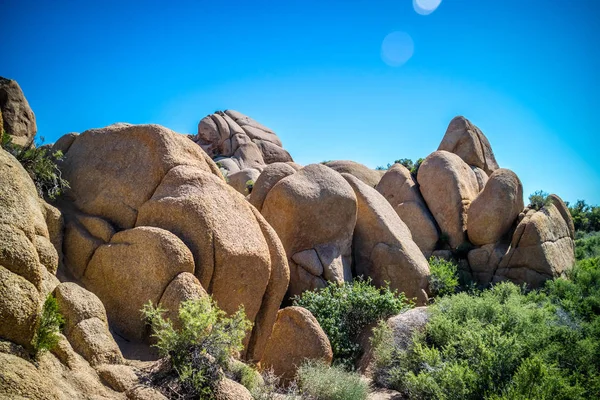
(526, 72)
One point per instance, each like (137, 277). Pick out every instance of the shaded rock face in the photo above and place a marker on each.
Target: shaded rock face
(296, 337)
(313, 212)
(468, 142)
(401, 190)
(239, 143)
(383, 247)
(16, 116)
(146, 205)
(448, 186)
(369, 176)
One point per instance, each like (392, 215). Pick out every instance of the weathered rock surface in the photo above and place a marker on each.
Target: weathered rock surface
(240, 180)
(542, 246)
(309, 209)
(495, 209)
(383, 247)
(369, 176)
(268, 178)
(296, 337)
(400, 189)
(448, 186)
(469, 143)
(228, 389)
(17, 117)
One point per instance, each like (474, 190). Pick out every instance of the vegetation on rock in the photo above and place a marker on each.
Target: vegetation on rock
(539, 199)
(40, 165)
(49, 327)
(344, 310)
(444, 277)
(413, 167)
(200, 350)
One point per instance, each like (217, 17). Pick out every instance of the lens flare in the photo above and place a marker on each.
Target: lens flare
(397, 48)
(426, 7)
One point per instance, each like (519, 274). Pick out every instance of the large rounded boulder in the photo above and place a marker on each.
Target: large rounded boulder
(18, 120)
(369, 176)
(496, 208)
(149, 204)
(448, 186)
(401, 190)
(313, 212)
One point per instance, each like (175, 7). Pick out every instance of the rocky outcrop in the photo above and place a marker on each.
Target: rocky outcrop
(495, 209)
(296, 337)
(369, 176)
(268, 178)
(129, 221)
(184, 287)
(228, 389)
(469, 143)
(400, 189)
(313, 212)
(16, 116)
(542, 246)
(383, 248)
(448, 186)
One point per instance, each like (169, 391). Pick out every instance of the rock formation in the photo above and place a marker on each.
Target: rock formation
(16, 117)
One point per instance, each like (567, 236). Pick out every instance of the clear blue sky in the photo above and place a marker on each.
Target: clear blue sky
(525, 71)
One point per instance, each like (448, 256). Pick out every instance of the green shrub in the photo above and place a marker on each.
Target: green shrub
(586, 218)
(40, 165)
(202, 347)
(249, 186)
(316, 380)
(587, 245)
(444, 277)
(244, 374)
(343, 311)
(538, 200)
(49, 327)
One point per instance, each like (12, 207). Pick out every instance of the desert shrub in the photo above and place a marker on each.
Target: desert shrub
(444, 277)
(344, 310)
(415, 169)
(317, 380)
(538, 200)
(503, 343)
(249, 186)
(40, 165)
(586, 218)
(202, 347)
(406, 162)
(51, 321)
(244, 374)
(587, 245)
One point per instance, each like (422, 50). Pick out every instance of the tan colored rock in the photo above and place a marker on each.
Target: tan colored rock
(258, 134)
(369, 176)
(93, 341)
(79, 245)
(383, 247)
(272, 174)
(20, 379)
(274, 293)
(77, 304)
(484, 261)
(481, 176)
(400, 189)
(496, 208)
(244, 120)
(228, 389)
(18, 120)
(248, 155)
(448, 186)
(542, 246)
(296, 207)
(154, 258)
(64, 142)
(105, 182)
(19, 255)
(239, 180)
(118, 377)
(309, 260)
(184, 287)
(272, 153)
(309, 342)
(19, 308)
(140, 392)
(469, 143)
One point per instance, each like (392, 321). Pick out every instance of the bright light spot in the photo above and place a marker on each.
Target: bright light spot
(397, 48)
(426, 7)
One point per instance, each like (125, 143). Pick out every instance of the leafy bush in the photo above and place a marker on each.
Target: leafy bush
(244, 374)
(249, 186)
(444, 277)
(343, 311)
(586, 218)
(539, 200)
(503, 344)
(202, 347)
(50, 324)
(587, 245)
(40, 165)
(316, 380)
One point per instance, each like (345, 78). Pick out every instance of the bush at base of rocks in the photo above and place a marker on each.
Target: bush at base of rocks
(444, 277)
(344, 310)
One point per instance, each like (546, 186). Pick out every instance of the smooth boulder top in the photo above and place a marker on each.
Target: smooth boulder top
(18, 120)
(369, 176)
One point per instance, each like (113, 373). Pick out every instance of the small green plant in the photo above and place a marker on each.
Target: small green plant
(244, 374)
(415, 169)
(407, 162)
(539, 199)
(249, 186)
(444, 277)
(316, 380)
(202, 347)
(587, 245)
(344, 310)
(40, 165)
(49, 327)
